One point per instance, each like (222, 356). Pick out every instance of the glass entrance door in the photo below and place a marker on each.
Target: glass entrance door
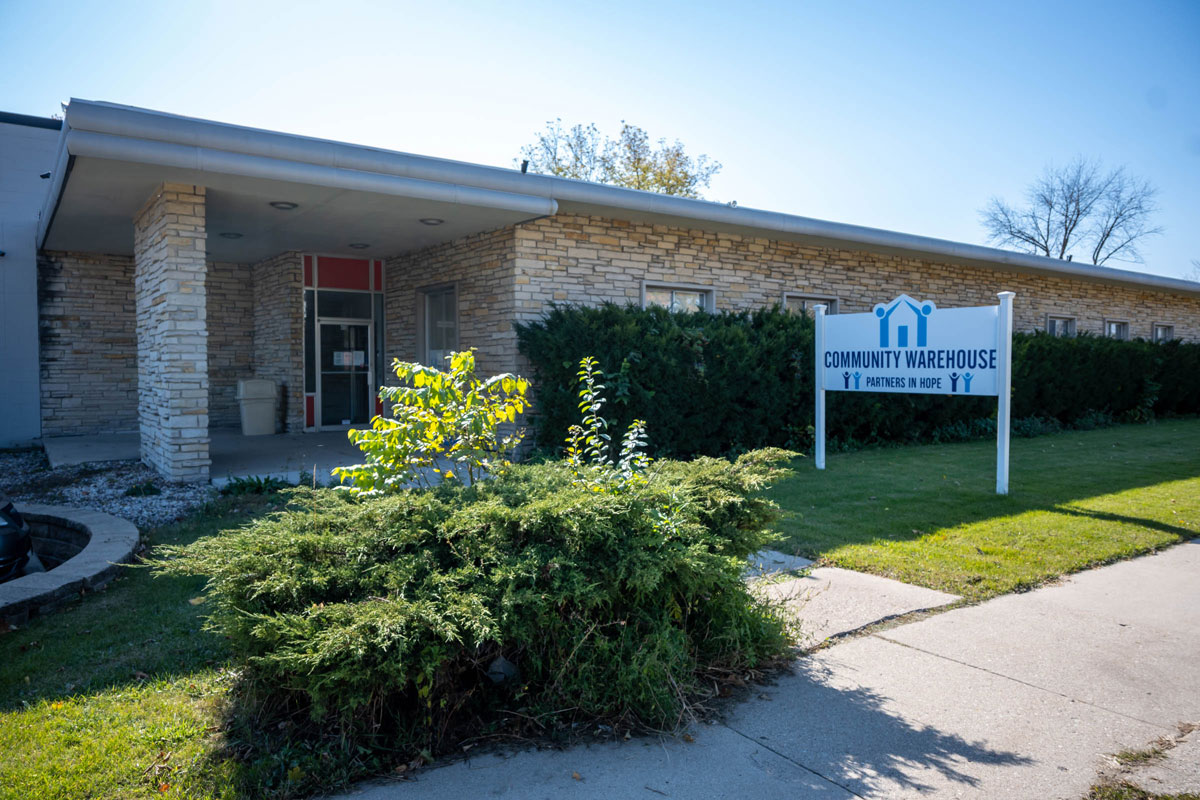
(345, 371)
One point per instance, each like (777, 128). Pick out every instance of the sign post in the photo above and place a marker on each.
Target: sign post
(1003, 410)
(910, 346)
(819, 382)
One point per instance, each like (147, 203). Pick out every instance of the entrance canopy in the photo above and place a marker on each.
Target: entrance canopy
(267, 193)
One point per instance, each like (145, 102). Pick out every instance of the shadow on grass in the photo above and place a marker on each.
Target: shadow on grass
(900, 494)
(1142, 522)
(140, 627)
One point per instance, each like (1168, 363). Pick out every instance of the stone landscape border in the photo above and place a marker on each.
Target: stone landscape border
(111, 542)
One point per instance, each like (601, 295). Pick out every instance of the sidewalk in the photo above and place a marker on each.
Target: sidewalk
(1020, 697)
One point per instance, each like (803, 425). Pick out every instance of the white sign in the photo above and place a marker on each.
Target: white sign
(349, 358)
(912, 346)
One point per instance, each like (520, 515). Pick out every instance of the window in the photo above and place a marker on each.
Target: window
(1116, 329)
(1060, 326)
(1164, 333)
(803, 303)
(350, 305)
(678, 297)
(437, 326)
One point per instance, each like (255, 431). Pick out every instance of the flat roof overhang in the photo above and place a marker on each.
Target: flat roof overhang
(101, 196)
(116, 155)
(105, 179)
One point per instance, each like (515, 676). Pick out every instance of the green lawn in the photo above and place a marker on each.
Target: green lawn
(122, 694)
(930, 516)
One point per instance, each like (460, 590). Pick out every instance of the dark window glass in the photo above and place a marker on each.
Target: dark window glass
(345, 374)
(441, 327)
(353, 305)
(803, 304)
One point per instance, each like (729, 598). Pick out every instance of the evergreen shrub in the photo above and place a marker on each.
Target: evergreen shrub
(400, 622)
(711, 384)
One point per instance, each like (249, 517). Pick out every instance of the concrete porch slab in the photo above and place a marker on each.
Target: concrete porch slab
(66, 451)
(291, 456)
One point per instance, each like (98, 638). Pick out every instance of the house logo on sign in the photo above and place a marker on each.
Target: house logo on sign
(901, 315)
(892, 348)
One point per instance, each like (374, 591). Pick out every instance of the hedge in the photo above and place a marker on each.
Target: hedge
(395, 626)
(711, 384)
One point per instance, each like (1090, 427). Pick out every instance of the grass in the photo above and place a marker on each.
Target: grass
(929, 515)
(121, 695)
(1127, 791)
(1137, 758)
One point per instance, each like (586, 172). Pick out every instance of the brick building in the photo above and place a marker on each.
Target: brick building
(153, 260)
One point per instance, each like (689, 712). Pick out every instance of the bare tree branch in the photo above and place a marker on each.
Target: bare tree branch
(1077, 206)
(1123, 219)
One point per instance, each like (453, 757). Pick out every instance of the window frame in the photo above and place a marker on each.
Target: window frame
(709, 293)
(831, 302)
(1154, 328)
(422, 321)
(1119, 321)
(1073, 324)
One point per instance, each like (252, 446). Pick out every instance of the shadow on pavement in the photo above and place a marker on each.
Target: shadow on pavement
(846, 735)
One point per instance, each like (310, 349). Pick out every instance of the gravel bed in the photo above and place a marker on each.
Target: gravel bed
(26, 476)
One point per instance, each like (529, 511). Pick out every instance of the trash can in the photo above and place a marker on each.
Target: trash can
(257, 398)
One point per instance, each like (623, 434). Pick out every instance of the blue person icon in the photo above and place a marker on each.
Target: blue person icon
(954, 376)
(856, 376)
(846, 380)
(967, 381)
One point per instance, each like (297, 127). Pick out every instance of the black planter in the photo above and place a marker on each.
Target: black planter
(15, 541)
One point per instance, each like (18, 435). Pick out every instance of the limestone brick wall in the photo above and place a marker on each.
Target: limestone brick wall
(230, 339)
(88, 344)
(482, 269)
(172, 334)
(278, 333)
(581, 259)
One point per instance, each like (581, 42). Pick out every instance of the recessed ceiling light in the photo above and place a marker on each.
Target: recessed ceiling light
(359, 245)
(432, 221)
(231, 235)
(284, 205)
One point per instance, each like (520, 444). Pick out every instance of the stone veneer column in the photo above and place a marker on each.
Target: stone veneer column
(172, 332)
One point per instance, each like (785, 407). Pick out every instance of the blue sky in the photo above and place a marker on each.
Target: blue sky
(906, 116)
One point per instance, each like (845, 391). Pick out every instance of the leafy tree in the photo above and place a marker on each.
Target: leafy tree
(631, 159)
(444, 423)
(1080, 207)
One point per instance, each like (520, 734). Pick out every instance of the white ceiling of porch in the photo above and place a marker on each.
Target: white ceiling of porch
(101, 196)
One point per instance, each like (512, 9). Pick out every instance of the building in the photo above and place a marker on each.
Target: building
(152, 260)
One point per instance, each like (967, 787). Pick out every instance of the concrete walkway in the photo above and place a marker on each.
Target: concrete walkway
(1020, 697)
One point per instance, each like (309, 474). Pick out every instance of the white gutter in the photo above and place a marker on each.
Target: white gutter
(57, 179)
(230, 147)
(203, 159)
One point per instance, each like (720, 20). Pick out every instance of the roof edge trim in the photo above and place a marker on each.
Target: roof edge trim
(220, 141)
